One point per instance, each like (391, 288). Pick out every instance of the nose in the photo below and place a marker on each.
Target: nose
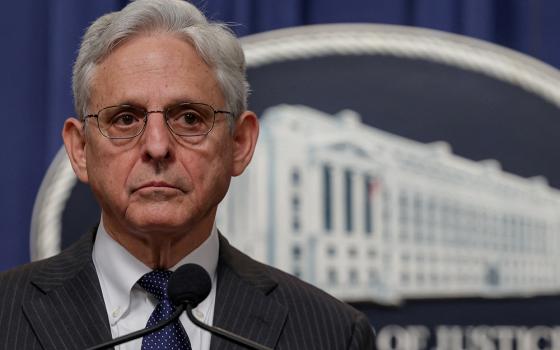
(156, 138)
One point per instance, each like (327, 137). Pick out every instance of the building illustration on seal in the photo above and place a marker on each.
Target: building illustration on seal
(368, 215)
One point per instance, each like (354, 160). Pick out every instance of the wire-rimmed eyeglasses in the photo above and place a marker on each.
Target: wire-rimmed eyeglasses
(183, 119)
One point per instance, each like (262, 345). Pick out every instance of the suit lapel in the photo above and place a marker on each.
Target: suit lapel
(243, 305)
(67, 310)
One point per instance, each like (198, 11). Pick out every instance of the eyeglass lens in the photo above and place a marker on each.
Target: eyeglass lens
(185, 119)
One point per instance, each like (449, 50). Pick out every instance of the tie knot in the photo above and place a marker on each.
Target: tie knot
(155, 283)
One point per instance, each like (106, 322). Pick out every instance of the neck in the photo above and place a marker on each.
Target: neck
(159, 250)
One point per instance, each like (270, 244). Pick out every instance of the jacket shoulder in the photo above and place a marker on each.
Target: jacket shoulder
(18, 277)
(313, 314)
(281, 285)
(303, 295)
(64, 264)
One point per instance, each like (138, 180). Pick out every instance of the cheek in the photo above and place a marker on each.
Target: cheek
(221, 162)
(108, 173)
(210, 169)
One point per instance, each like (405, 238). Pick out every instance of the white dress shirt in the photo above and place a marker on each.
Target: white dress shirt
(129, 306)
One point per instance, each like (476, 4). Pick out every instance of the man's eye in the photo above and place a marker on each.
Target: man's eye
(190, 118)
(124, 119)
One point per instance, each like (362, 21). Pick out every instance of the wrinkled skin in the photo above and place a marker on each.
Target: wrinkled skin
(158, 192)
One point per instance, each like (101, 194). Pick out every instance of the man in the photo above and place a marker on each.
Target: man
(162, 126)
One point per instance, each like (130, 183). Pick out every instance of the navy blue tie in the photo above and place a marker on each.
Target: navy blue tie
(173, 336)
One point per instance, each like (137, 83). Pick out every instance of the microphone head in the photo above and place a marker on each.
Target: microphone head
(189, 284)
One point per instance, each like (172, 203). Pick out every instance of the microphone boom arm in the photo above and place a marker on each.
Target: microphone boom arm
(222, 332)
(130, 336)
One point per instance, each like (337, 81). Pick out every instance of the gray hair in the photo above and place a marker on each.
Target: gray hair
(214, 42)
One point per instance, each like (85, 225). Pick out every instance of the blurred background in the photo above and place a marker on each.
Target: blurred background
(40, 40)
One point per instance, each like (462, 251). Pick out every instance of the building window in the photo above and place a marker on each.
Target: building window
(386, 212)
(327, 198)
(349, 189)
(417, 214)
(295, 213)
(295, 176)
(353, 276)
(445, 221)
(403, 215)
(431, 219)
(331, 251)
(295, 203)
(295, 224)
(372, 277)
(434, 278)
(405, 278)
(403, 208)
(296, 252)
(370, 187)
(332, 277)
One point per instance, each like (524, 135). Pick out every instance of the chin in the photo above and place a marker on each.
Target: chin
(159, 227)
(167, 217)
(161, 221)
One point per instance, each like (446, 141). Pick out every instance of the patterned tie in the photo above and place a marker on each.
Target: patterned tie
(173, 336)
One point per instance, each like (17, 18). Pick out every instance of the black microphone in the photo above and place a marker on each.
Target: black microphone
(199, 286)
(195, 291)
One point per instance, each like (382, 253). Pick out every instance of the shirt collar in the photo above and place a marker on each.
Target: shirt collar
(118, 270)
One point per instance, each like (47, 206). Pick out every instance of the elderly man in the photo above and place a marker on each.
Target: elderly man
(160, 94)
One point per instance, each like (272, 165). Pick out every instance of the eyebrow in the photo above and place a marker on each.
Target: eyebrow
(172, 102)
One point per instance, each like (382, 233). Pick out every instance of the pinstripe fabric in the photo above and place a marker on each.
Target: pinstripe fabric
(280, 311)
(57, 304)
(53, 304)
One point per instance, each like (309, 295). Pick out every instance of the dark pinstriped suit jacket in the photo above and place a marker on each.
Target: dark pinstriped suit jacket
(57, 304)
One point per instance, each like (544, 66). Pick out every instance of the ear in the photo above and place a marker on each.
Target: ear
(245, 137)
(74, 136)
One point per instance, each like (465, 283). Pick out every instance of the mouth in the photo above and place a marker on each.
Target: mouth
(156, 185)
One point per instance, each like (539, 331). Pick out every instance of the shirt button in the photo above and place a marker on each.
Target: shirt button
(199, 314)
(116, 312)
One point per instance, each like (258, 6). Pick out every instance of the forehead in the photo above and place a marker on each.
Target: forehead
(153, 71)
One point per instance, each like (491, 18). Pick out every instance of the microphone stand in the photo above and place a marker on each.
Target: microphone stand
(222, 332)
(130, 336)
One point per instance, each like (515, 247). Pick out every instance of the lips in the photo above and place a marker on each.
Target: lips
(156, 184)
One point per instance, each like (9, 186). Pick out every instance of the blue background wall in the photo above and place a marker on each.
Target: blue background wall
(40, 39)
